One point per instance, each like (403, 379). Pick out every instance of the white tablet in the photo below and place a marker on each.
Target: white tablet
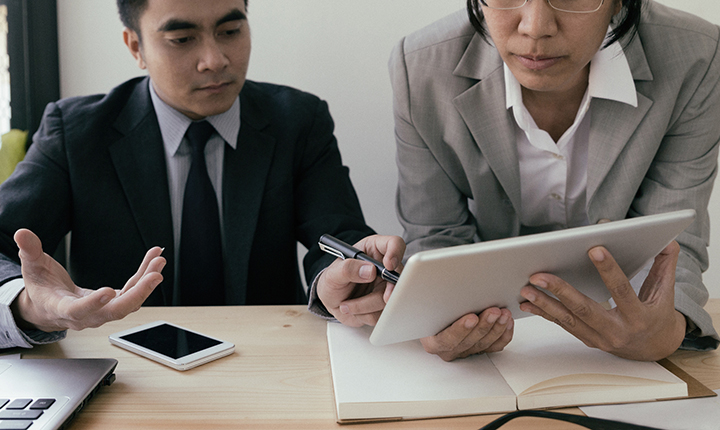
(439, 286)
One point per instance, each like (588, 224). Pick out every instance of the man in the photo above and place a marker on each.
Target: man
(115, 171)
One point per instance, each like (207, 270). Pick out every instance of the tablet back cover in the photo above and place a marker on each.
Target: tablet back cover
(439, 286)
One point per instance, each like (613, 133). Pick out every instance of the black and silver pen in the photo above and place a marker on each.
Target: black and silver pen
(342, 250)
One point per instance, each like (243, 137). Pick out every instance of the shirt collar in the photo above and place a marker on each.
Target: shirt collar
(173, 124)
(610, 78)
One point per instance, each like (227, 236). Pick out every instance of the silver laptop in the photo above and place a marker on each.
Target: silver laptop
(47, 393)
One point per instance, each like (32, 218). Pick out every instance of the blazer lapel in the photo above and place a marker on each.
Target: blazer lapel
(139, 160)
(244, 176)
(492, 128)
(613, 124)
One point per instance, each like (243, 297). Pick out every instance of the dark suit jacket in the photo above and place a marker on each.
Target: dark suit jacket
(96, 168)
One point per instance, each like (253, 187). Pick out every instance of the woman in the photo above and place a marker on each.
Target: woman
(547, 114)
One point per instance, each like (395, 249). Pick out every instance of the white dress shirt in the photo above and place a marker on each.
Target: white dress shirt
(553, 175)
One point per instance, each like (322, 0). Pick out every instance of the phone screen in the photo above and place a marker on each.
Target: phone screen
(171, 341)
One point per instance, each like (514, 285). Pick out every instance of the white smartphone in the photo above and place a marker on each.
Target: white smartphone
(171, 345)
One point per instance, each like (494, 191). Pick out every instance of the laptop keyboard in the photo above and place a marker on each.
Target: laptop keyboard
(18, 414)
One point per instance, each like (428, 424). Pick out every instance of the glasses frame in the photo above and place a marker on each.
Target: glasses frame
(581, 420)
(548, 2)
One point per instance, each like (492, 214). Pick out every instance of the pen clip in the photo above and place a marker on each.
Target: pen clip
(331, 250)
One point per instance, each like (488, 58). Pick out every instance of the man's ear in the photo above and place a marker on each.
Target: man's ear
(132, 41)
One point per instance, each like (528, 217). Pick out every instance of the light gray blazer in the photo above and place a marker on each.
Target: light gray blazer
(459, 178)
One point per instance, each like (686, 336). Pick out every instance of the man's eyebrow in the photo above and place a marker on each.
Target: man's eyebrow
(233, 15)
(178, 24)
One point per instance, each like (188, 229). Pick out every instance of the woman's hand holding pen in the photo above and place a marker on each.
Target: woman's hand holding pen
(352, 290)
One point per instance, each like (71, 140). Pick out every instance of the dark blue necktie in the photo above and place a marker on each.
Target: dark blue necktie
(201, 262)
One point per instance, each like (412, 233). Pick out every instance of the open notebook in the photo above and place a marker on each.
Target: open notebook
(543, 367)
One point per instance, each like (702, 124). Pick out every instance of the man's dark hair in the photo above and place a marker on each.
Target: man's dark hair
(131, 10)
(628, 21)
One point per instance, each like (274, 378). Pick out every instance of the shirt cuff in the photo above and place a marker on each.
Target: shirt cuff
(10, 335)
(315, 305)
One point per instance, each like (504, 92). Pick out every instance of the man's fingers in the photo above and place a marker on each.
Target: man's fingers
(130, 301)
(342, 273)
(367, 304)
(80, 313)
(106, 304)
(343, 288)
(38, 268)
(393, 253)
(132, 298)
(388, 291)
(29, 244)
(363, 310)
(145, 267)
(387, 249)
(351, 289)
(370, 319)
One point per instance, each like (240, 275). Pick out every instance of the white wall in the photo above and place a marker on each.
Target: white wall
(336, 49)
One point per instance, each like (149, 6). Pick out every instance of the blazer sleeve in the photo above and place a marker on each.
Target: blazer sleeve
(326, 199)
(432, 210)
(681, 176)
(37, 195)
(34, 197)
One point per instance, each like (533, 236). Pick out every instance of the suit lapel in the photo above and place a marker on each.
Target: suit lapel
(614, 123)
(139, 160)
(244, 176)
(491, 128)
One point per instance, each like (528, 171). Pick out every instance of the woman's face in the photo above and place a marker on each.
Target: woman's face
(548, 50)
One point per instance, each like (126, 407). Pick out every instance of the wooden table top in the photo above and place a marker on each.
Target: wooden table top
(277, 378)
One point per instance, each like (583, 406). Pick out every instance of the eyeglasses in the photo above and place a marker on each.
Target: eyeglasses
(572, 6)
(583, 421)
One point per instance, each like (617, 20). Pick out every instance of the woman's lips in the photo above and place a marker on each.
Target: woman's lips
(537, 63)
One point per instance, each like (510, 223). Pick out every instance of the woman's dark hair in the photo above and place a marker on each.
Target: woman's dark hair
(628, 21)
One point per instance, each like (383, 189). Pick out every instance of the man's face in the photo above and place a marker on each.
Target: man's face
(196, 52)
